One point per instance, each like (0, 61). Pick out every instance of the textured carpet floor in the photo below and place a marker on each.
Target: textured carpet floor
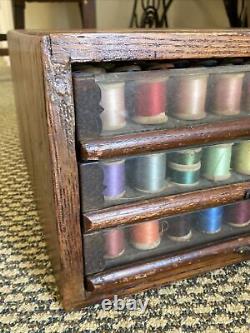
(211, 303)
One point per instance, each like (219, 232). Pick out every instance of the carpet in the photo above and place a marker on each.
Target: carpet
(210, 303)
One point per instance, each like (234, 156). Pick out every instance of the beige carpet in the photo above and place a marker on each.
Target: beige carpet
(211, 303)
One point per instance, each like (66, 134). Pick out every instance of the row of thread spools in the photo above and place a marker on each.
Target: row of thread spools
(189, 96)
(154, 172)
(148, 235)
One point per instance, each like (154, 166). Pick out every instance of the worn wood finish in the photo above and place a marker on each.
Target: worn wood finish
(151, 44)
(167, 268)
(47, 131)
(135, 143)
(41, 64)
(156, 208)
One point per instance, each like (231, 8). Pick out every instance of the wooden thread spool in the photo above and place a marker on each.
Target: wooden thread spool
(238, 215)
(113, 102)
(226, 93)
(150, 173)
(216, 161)
(184, 175)
(189, 96)
(146, 235)
(114, 243)
(179, 229)
(241, 157)
(151, 101)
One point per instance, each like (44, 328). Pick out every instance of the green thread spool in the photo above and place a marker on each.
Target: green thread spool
(150, 173)
(186, 157)
(241, 158)
(216, 162)
(185, 175)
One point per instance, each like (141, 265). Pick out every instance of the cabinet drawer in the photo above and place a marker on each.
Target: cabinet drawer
(112, 182)
(122, 245)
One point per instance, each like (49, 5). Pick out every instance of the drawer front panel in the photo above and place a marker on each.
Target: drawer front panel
(110, 101)
(113, 182)
(115, 247)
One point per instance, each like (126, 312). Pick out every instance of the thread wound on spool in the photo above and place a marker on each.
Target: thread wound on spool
(179, 229)
(114, 179)
(146, 235)
(186, 157)
(151, 101)
(150, 173)
(113, 102)
(238, 215)
(189, 96)
(210, 220)
(226, 93)
(241, 157)
(185, 175)
(114, 243)
(216, 162)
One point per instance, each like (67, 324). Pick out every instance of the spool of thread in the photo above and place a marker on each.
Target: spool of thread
(241, 157)
(114, 243)
(186, 157)
(189, 96)
(93, 69)
(226, 93)
(114, 179)
(238, 215)
(246, 93)
(185, 175)
(150, 173)
(146, 236)
(179, 229)
(210, 220)
(216, 162)
(113, 102)
(151, 101)
(129, 68)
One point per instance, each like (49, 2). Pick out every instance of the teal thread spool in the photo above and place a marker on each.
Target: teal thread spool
(185, 175)
(186, 157)
(150, 173)
(216, 162)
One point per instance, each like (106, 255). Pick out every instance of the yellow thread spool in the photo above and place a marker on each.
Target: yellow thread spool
(241, 159)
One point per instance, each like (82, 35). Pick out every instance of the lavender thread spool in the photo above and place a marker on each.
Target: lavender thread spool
(114, 243)
(238, 215)
(114, 179)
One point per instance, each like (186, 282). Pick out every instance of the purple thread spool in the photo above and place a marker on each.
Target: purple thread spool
(238, 215)
(114, 179)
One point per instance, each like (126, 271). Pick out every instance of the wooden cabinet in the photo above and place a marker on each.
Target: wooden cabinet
(138, 147)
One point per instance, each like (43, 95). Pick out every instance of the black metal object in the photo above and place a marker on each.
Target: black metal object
(236, 12)
(154, 14)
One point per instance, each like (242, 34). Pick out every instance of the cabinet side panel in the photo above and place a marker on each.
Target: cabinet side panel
(28, 77)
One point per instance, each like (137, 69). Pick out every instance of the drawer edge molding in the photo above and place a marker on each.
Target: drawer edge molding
(160, 207)
(149, 141)
(168, 268)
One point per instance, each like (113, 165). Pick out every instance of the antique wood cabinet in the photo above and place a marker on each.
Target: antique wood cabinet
(138, 147)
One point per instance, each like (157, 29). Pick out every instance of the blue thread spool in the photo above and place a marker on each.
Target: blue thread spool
(210, 220)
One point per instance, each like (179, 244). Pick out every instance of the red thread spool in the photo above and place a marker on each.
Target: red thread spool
(189, 96)
(146, 236)
(114, 243)
(238, 215)
(151, 101)
(226, 93)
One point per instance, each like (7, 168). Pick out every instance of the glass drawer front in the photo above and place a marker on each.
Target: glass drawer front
(112, 182)
(127, 244)
(117, 100)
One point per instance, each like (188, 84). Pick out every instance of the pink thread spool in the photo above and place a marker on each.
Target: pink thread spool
(114, 243)
(146, 236)
(226, 91)
(238, 215)
(189, 96)
(246, 93)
